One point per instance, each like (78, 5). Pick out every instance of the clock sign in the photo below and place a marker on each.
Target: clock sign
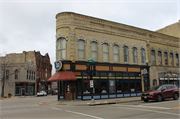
(58, 65)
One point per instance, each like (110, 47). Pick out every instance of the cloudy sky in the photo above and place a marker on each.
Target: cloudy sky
(28, 25)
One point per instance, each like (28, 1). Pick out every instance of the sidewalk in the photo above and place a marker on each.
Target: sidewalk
(78, 102)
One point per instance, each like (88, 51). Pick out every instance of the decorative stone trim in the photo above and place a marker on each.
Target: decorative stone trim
(82, 38)
(134, 46)
(152, 50)
(166, 52)
(142, 47)
(125, 44)
(115, 43)
(72, 33)
(59, 36)
(94, 40)
(105, 41)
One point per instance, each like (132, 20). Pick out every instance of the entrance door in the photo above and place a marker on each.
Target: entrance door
(69, 87)
(22, 91)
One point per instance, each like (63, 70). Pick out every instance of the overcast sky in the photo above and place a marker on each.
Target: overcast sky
(29, 25)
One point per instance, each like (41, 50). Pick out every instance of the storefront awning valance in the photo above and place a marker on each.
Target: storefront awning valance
(63, 76)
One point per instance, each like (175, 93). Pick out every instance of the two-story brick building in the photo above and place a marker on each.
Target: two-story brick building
(121, 54)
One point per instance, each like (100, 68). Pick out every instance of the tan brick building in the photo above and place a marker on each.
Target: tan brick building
(121, 53)
(25, 73)
(172, 30)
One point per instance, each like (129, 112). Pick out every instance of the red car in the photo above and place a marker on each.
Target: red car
(160, 92)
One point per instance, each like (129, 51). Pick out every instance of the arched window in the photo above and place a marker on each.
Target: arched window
(81, 49)
(116, 53)
(7, 74)
(159, 57)
(177, 60)
(27, 74)
(134, 55)
(154, 82)
(62, 48)
(142, 55)
(16, 74)
(153, 57)
(171, 58)
(125, 54)
(94, 50)
(105, 52)
(31, 75)
(165, 58)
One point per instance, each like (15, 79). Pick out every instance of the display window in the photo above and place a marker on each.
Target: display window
(86, 86)
(126, 86)
(138, 85)
(104, 86)
(112, 86)
(118, 86)
(132, 85)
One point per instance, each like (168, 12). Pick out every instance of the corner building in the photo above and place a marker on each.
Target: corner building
(121, 53)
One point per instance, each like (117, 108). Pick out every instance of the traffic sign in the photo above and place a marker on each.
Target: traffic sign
(91, 84)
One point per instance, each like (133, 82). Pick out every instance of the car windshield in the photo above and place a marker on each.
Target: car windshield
(155, 88)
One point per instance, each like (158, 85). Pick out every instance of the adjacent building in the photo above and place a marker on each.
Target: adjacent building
(25, 73)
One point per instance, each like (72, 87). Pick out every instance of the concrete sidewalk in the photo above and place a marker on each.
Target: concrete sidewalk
(78, 102)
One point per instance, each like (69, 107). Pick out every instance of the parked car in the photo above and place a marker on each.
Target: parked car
(42, 93)
(54, 92)
(160, 92)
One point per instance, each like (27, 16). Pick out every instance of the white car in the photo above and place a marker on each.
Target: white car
(41, 93)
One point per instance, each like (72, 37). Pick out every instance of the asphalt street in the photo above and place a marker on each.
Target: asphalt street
(22, 108)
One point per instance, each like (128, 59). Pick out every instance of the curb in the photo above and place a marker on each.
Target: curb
(9, 98)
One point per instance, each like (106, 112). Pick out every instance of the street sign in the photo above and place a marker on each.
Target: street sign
(91, 84)
(91, 60)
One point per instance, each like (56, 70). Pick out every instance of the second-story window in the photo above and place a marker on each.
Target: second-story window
(165, 58)
(16, 74)
(105, 52)
(134, 55)
(153, 57)
(81, 49)
(116, 53)
(62, 48)
(27, 74)
(159, 57)
(177, 60)
(94, 50)
(125, 54)
(7, 74)
(171, 58)
(143, 56)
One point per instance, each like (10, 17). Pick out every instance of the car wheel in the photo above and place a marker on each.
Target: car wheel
(175, 96)
(145, 100)
(159, 98)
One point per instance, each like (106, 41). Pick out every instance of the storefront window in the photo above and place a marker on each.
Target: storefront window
(112, 87)
(138, 85)
(104, 88)
(154, 82)
(86, 86)
(125, 74)
(96, 86)
(111, 74)
(125, 86)
(61, 88)
(132, 85)
(103, 74)
(118, 86)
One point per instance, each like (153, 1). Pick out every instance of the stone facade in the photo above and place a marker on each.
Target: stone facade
(11, 64)
(31, 62)
(74, 27)
(172, 30)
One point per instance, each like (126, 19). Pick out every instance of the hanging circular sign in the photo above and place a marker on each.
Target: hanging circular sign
(58, 65)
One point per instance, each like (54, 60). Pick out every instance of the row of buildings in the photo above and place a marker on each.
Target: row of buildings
(122, 53)
(24, 74)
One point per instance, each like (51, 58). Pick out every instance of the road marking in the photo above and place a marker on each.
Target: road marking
(78, 113)
(150, 111)
(175, 107)
(142, 106)
(84, 114)
(56, 108)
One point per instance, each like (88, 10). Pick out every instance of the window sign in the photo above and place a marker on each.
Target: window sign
(111, 86)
